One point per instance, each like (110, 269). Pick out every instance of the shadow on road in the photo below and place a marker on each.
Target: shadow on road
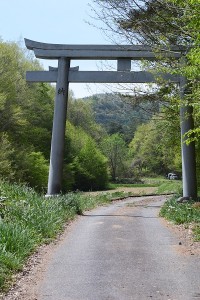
(128, 216)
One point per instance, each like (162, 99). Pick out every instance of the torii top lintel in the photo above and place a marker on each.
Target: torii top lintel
(102, 52)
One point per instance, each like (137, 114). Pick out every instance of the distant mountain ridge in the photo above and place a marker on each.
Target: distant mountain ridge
(117, 113)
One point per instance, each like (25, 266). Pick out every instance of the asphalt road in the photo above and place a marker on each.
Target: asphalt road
(121, 252)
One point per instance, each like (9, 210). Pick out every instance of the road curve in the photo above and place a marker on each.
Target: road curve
(121, 252)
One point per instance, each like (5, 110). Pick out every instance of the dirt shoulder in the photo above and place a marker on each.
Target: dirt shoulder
(187, 245)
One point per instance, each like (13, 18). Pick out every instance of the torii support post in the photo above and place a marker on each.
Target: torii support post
(187, 151)
(58, 132)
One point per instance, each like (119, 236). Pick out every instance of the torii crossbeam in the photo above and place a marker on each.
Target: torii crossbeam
(63, 75)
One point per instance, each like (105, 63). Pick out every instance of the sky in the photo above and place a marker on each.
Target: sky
(54, 21)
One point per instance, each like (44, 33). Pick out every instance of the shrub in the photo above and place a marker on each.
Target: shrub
(90, 168)
(36, 173)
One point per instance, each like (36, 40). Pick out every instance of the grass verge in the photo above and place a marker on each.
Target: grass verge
(160, 185)
(183, 213)
(131, 185)
(28, 220)
(170, 186)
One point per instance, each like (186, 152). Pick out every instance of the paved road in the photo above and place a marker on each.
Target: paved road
(121, 252)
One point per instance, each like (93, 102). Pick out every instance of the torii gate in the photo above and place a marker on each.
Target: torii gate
(123, 54)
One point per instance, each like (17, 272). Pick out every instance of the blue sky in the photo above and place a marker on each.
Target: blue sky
(53, 21)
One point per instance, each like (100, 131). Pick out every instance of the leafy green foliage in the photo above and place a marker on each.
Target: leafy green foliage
(191, 28)
(82, 115)
(26, 116)
(115, 149)
(36, 170)
(6, 152)
(155, 147)
(90, 168)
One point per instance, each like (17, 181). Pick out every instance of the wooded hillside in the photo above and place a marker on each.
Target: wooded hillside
(121, 114)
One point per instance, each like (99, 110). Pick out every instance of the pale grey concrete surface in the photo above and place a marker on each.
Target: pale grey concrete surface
(124, 253)
(188, 154)
(58, 131)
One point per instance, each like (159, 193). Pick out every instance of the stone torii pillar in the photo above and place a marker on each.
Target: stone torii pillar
(63, 75)
(58, 131)
(187, 151)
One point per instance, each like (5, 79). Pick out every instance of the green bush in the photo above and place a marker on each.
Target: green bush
(36, 170)
(90, 168)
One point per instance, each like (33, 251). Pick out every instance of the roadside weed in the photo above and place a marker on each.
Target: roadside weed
(182, 213)
(27, 220)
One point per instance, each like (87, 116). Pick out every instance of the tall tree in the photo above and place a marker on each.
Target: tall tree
(144, 21)
(115, 149)
(161, 23)
(156, 145)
